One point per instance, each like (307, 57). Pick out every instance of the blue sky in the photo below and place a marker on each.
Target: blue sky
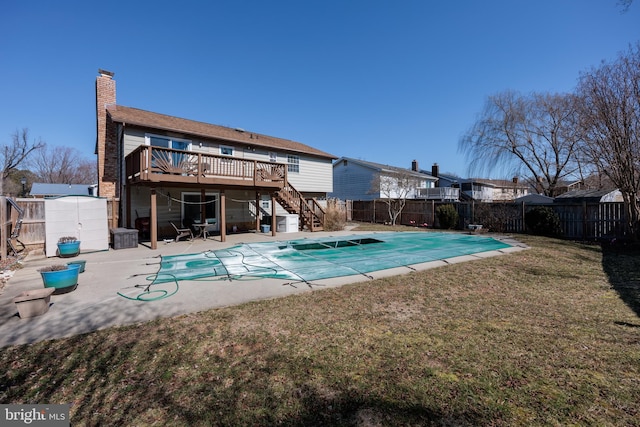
(383, 81)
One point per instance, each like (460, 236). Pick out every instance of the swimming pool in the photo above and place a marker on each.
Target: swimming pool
(313, 259)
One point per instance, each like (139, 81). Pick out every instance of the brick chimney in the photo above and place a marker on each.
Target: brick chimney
(435, 170)
(414, 166)
(106, 141)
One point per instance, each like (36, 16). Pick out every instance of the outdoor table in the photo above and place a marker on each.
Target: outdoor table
(203, 227)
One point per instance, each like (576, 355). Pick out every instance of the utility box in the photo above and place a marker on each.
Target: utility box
(124, 238)
(287, 223)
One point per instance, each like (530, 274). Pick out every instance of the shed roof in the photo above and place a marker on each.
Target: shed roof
(535, 199)
(592, 195)
(47, 189)
(148, 119)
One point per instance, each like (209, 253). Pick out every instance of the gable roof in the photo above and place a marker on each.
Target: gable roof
(148, 119)
(378, 167)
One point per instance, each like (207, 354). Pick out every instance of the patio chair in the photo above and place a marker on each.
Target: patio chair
(182, 232)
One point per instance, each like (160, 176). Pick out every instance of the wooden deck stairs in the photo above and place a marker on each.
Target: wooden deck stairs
(309, 211)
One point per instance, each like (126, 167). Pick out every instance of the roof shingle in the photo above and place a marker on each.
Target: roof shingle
(147, 119)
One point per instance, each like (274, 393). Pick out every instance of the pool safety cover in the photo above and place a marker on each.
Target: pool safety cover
(323, 258)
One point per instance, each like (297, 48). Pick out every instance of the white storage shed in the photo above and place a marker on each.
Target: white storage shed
(83, 217)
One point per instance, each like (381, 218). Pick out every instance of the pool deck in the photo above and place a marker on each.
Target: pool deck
(95, 304)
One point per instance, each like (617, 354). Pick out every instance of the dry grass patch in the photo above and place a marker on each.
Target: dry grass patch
(550, 335)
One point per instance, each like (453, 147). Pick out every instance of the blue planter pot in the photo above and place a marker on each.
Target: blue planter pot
(62, 280)
(79, 263)
(68, 250)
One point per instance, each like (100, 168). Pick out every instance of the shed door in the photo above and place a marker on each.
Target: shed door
(82, 217)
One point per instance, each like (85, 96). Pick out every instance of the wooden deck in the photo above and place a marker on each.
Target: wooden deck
(148, 164)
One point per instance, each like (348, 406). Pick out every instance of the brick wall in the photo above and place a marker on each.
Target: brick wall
(106, 136)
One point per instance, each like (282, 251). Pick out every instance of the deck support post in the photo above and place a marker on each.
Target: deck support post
(153, 226)
(223, 216)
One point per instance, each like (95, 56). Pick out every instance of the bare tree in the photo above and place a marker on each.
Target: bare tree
(533, 136)
(63, 165)
(16, 153)
(610, 120)
(625, 4)
(394, 188)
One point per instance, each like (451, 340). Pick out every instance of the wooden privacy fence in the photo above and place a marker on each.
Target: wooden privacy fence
(578, 221)
(33, 231)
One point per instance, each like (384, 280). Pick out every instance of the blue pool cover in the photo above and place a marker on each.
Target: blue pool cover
(323, 258)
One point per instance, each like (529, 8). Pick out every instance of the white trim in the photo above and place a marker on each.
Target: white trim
(216, 195)
(148, 136)
(227, 147)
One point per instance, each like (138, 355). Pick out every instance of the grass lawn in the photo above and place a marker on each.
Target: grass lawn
(546, 336)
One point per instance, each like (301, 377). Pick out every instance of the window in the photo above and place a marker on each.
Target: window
(168, 142)
(265, 202)
(163, 159)
(293, 164)
(225, 150)
(273, 157)
(192, 206)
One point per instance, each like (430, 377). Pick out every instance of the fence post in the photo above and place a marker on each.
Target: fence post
(374, 211)
(3, 232)
(584, 220)
(433, 213)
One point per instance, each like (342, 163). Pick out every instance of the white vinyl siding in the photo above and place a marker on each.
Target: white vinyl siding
(316, 176)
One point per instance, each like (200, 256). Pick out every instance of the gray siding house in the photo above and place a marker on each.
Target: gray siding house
(170, 171)
(355, 179)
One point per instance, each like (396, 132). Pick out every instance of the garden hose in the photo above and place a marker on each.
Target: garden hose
(145, 296)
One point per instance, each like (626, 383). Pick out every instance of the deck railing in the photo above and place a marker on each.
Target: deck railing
(156, 164)
(439, 193)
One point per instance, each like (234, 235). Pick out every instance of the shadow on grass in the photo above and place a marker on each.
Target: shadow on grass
(110, 384)
(622, 266)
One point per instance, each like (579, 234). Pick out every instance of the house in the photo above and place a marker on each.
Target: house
(481, 190)
(492, 190)
(355, 179)
(168, 170)
(42, 190)
(447, 189)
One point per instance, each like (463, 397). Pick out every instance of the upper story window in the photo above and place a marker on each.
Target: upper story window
(273, 157)
(293, 163)
(225, 150)
(168, 142)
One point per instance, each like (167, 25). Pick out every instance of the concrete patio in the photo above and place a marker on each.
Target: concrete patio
(95, 304)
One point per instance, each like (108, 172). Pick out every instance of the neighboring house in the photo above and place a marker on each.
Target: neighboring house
(561, 187)
(355, 179)
(447, 189)
(42, 190)
(169, 170)
(480, 190)
(492, 190)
